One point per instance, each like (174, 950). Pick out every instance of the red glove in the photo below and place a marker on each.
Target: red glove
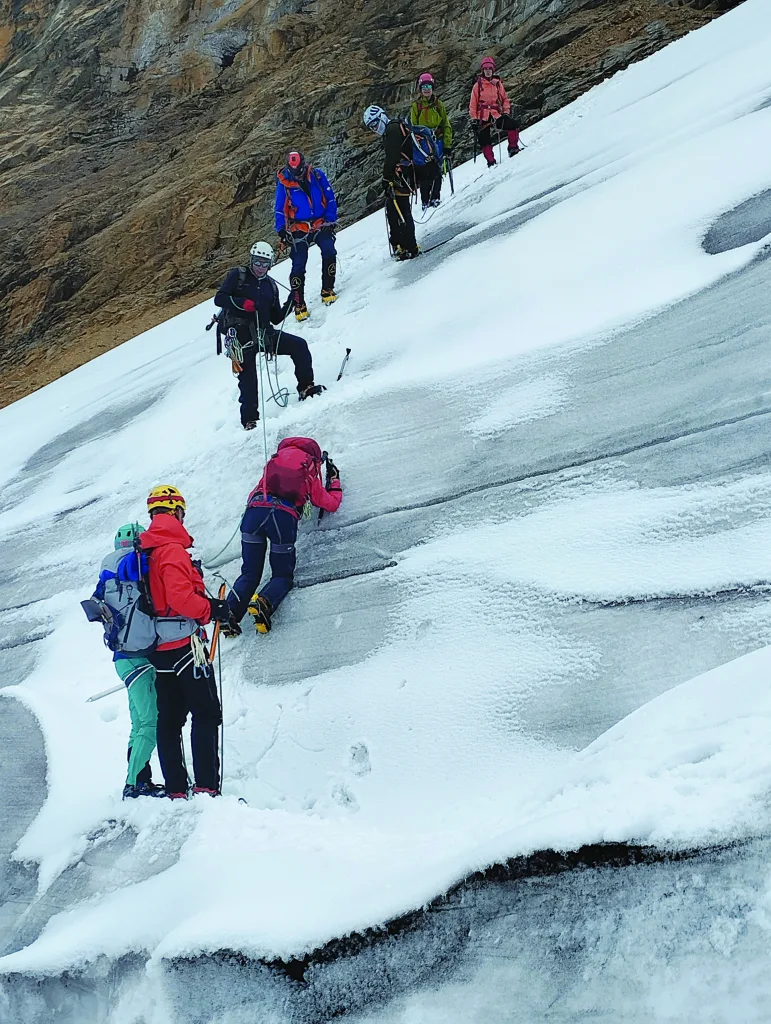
(249, 306)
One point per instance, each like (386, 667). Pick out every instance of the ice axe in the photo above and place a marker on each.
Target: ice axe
(330, 468)
(342, 367)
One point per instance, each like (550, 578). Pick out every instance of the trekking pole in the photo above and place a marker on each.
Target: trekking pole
(212, 652)
(217, 625)
(343, 364)
(106, 693)
(388, 230)
(448, 163)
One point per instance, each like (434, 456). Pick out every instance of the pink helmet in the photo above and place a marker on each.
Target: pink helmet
(426, 79)
(487, 62)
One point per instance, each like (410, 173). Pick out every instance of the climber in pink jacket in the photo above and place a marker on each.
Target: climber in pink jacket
(490, 108)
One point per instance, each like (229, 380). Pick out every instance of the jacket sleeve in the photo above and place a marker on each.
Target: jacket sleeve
(278, 206)
(176, 570)
(277, 314)
(445, 127)
(330, 499)
(226, 289)
(473, 107)
(330, 214)
(392, 140)
(505, 102)
(414, 115)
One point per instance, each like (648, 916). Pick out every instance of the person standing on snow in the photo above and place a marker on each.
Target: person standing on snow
(250, 306)
(273, 511)
(185, 683)
(135, 671)
(398, 180)
(429, 111)
(490, 108)
(306, 214)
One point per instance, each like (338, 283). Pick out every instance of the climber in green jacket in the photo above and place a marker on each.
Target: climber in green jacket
(429, 110)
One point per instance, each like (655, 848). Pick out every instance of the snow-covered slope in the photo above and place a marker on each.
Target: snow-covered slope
(526, 433)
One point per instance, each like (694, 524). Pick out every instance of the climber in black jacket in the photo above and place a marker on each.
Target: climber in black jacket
(398, 180)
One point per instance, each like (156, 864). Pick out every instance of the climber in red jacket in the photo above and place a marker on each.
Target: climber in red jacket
(183, 685)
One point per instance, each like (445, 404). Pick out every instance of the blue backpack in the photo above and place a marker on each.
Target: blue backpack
(121, 603)
(425, 148)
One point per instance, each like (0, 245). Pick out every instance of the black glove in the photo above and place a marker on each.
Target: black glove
(285, 236)
(220, 610)
(332, 471)
(329, 228)
(288, 305)
(475, 125)
(231, 628)
(388, 186)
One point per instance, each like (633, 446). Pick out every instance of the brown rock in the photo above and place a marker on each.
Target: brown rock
(140, 137)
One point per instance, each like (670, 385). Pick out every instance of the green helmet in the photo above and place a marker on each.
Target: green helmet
(127, 534)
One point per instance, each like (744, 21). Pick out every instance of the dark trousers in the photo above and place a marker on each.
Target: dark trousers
(504, 123)
(258, 526)
(401, 226)
(301, 244)
(429, 178)
(287, 345)
(181, 694)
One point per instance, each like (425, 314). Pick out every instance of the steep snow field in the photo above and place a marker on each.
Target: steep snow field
(538, 620)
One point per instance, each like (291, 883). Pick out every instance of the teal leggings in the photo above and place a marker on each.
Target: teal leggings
(139, 676)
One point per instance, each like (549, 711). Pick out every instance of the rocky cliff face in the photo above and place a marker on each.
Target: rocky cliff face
(139, 138)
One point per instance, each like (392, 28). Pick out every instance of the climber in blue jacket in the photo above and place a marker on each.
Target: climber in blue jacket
(306, 214)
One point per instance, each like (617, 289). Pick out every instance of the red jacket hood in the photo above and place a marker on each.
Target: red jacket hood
(165, 530)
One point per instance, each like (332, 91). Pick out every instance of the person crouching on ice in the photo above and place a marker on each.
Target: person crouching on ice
(291, 477)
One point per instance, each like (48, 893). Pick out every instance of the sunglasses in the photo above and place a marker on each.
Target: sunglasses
(262, 263)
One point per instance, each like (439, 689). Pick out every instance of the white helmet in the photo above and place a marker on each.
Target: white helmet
(376, 119)
(263, 252)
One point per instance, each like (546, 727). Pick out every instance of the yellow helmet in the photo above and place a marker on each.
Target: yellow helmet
(165, 496)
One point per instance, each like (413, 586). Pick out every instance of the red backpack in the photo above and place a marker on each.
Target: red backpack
(289, 472)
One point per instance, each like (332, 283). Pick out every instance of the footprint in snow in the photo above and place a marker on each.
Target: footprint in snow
(359, 759)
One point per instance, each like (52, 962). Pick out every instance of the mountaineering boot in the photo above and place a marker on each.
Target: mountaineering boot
(407, 254)
(203, 789)
(297, 288)
(425, 206)
(435, 202)
(513, 150)
(142, 789)
(310, 390)
(260, 609)
(328, 296)
(250, 425)
(177, 796)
